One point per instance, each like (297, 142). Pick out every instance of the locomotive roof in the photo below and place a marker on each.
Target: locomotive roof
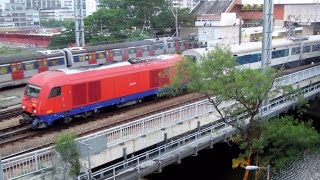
(120, 45)
(19, 58)
(75, 75)
(251, 46)
(108, 66)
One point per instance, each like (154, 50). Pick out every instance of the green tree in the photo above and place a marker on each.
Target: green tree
(283, 138)
(62, 40)
(65, 145)
(219, 75)
(56, 23)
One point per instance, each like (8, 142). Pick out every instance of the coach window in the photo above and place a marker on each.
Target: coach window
(316, 47)
(295, 50)
(117, 52)
(4, 70)
(56, 91)
(145, 48)
(170, 45)
(132, 50)
(306, 49)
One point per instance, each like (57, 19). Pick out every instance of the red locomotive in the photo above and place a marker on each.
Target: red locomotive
(79, 92)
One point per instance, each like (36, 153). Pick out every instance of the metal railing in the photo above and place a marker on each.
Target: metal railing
(27, 164)
(297, 76)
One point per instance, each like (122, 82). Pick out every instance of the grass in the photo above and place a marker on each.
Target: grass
(7, 51)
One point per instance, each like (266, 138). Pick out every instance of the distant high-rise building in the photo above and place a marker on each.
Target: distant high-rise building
(91, 7)
(16, 15)
(42, 4)
(184, 3)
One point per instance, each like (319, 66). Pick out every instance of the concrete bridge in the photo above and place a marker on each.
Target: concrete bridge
(161, 139)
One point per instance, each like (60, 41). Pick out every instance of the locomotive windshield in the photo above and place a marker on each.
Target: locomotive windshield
(32, 90)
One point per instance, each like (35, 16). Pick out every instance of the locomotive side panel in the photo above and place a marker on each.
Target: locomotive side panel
(79, 94)
(55, 102)
(131, 83)
(94, 91)
(107, 88)
(159, 77)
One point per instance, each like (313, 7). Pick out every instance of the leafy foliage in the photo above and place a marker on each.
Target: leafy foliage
(283, 138)
(56, 23)
(65, 145)
(7, 51)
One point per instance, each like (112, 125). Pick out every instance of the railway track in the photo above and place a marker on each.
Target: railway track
(9, 113)
(22, 133)
(15, 133)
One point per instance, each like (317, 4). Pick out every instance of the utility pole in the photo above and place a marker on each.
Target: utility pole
(240, 29)
(267, 33)
(175, 14)
(79, 24)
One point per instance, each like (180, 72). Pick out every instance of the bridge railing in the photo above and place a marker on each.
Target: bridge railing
(297, 76)
(27, 164)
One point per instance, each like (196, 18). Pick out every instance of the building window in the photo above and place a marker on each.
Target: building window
(252, 7)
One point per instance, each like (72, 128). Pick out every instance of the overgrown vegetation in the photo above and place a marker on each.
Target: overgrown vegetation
(6, 51)
(65, 145)
(219, 77)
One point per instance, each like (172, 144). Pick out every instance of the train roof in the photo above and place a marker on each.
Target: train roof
(251, 46)
(144, 42)
(30, 56)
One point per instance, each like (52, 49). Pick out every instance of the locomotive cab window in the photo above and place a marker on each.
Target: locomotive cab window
(32, 90)
(56, 91)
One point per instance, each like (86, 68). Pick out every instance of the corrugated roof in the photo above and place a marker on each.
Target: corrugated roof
(211, 7)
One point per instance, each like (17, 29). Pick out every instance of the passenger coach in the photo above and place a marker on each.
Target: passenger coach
(284, 52)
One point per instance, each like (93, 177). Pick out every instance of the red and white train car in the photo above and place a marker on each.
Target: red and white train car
(67, 93)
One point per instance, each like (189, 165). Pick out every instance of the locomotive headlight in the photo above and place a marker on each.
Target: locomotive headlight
(34, 111)
(23, 107)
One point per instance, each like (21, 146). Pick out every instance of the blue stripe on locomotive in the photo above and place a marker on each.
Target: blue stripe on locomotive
(49, 119)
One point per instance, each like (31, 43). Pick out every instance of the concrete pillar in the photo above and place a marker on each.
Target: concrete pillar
(125, 157)
(159, 166)
(195, 151)
(179, 157)
(211, 144)
(138, 172)
(198, 128)
(165, 140)
(1, 169)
